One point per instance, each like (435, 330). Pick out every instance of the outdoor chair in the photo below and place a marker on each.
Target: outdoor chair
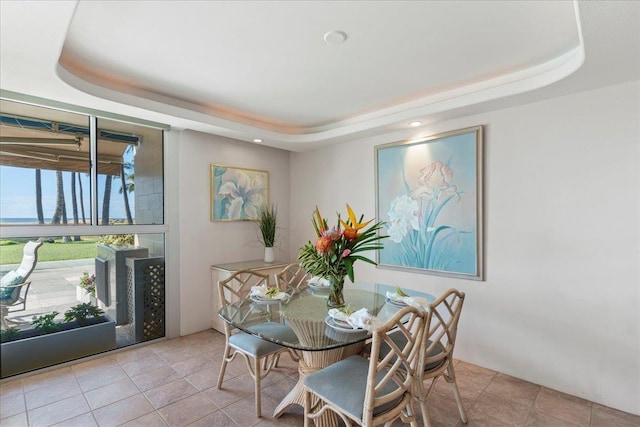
(374, 391)
(260, 355)
(14, 286)
(292, 278)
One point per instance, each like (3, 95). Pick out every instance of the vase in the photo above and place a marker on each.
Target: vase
(268, 254)
(336, 297)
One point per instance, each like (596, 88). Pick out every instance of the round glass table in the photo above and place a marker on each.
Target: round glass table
(320, 341)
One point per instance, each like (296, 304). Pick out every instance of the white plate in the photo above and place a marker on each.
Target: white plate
(263, 300)
(396, 303)
(331, 322)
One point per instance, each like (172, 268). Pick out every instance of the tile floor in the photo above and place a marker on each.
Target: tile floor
(172, 383)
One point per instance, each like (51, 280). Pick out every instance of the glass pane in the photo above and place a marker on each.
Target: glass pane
(44, 166)
(122, 275)
(130, 174)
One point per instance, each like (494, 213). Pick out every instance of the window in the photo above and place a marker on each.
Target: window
(104, 223)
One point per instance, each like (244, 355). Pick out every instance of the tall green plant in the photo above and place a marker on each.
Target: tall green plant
(267, 221)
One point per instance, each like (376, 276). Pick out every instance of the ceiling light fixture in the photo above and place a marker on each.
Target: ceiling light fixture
(335, 37)
(257, 140)
(415, 124)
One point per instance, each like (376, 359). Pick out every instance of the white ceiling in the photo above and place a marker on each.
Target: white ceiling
(262, 69)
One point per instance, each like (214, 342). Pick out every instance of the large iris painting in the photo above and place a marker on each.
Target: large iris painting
(237, 193)
(429, 193)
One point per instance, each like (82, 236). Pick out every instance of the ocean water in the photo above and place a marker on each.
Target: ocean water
(22, 220)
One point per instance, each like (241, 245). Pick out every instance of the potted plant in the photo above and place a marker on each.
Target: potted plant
(86, 290)
(85, 331)
(267, 221)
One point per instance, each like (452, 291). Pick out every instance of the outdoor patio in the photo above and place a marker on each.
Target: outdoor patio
(53, 288)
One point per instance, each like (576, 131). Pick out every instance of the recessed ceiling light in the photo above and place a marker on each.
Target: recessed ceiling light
(415, 124)
(257, 140)
(335, 37)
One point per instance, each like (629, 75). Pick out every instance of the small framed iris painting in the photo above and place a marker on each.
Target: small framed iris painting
(237, 193)
(429, 193)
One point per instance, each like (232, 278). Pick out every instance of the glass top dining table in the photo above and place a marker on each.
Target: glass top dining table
(319, 341)
(306, 312)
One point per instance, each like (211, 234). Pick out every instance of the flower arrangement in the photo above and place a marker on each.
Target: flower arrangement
(337, 248)
(88, 283)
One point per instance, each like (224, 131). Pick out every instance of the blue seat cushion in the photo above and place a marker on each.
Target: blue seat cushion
(9, 290)
(258, 347)
(344, 384)
(11, 279)
(400, 340)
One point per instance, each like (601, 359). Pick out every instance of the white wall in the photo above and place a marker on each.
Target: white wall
(202, 242)
(561, 301)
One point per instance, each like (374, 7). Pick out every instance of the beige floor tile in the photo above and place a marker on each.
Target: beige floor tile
(170, 393)
(156, 378)
(84, 420)
(11, 388)
(111, 393)
(231, 391)
(122, 411)
(513, 389)
(94, 365)
(179, 354)
(217, 419)
(187, 411)
(66, 387)
(96, 378)
(538, 419)
(152, 419)
(496, 406)
(16, 420)
(126, 357)
(601, 416)
(205, 378)
(57, 412)
(45, 379)
(442, 409)
(193, 364)
(563, 406)
(11, 404)
(146, 364)
(243, 411)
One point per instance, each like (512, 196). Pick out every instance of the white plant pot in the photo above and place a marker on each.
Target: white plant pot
(269, 255)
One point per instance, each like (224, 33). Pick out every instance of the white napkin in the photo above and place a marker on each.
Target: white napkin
(420, 303)
(260, 291)
(318, 281)
(360, 319)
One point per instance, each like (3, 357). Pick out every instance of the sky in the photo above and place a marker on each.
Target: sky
(18, 194)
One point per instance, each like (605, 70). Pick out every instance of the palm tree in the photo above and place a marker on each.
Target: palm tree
(61, 210)
(84, 221)
(39, 196)
(74, 202)
(106, 199)
(127, 186)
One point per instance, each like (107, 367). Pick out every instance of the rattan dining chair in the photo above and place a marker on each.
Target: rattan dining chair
(292, 278)
(260, 355)
(440, 338)
(371, 392)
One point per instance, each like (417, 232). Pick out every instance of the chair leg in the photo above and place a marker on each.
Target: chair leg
(451, 379)
(307, 407)
(257, 378)
(422, 399)
(223, 368)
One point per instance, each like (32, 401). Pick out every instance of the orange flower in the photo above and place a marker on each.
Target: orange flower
(352, 226)
(322, 244)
